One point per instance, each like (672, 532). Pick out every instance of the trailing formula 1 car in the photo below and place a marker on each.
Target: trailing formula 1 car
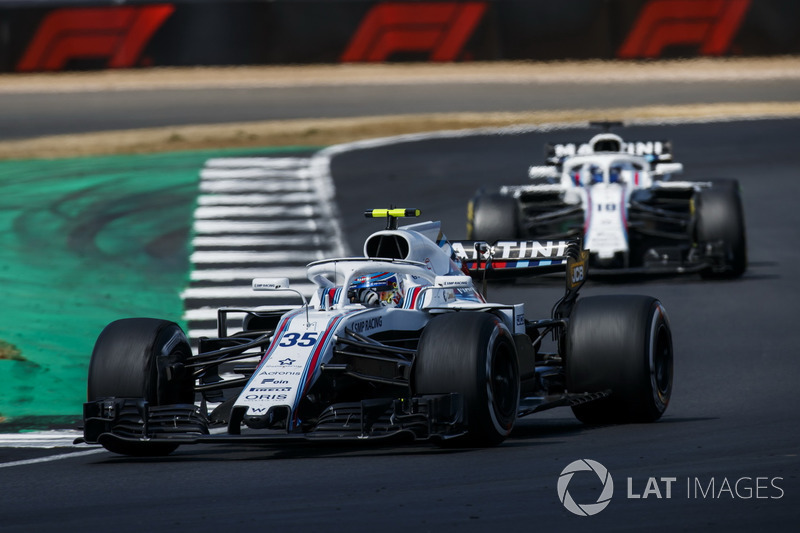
(398, 343)
(622, 199)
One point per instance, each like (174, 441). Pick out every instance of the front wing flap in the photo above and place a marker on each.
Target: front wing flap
(439, 416)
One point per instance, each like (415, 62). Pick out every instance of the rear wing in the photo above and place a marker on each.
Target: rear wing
(513, 259)
(653, 151)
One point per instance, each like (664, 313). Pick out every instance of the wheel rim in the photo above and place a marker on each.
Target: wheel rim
(661, 362)
(503, 386)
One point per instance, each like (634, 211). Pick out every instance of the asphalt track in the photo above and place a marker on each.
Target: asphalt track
(35, 113)
(729, 439)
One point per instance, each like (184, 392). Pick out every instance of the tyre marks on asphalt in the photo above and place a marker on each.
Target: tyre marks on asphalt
(256, 217)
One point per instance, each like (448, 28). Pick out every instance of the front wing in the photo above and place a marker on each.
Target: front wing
(430, 417)
(135, 420)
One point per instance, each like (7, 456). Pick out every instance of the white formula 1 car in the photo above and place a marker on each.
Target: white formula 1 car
(395, 344)
(622, 200)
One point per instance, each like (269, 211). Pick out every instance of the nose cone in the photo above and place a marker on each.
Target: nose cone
(276, 418)
(606, 221)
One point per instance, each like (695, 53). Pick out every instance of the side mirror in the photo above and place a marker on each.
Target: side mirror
(270, 284)
(279, 284)
(668, 168)
(453, 282)
(543, 172)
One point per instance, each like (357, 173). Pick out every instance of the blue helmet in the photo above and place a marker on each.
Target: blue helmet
(380, 288)
(597, 174)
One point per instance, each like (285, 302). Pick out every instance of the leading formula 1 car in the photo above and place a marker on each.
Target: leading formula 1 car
(398, 343)
(622, 199)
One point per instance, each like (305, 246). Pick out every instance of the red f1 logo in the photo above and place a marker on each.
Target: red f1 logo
(709, 24)
(440, 28)
(118, 33)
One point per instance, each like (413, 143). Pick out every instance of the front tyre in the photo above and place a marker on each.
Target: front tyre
(473, 354)
(622, 344)
(130, 360)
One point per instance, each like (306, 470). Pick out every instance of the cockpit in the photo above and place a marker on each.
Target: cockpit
(592, 171)
(377, 289)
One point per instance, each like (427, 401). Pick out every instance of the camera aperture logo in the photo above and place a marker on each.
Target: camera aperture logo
(659, 488)
(585, 509)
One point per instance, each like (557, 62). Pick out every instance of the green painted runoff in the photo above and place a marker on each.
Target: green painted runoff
(84, 241)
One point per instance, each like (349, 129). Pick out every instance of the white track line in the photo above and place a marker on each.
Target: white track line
(245, 293)
(257, 199)
(241, 186)
(54, 438)
(293, 273)
(256, 240)
(253, 162)
(228, 212)
(206, 227)
(51, 458)
(232, 256)
(240, 174)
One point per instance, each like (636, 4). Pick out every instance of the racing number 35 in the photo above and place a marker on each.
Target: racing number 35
(309, 338)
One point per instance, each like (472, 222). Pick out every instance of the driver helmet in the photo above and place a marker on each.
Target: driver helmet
(597, 174)
(614, 174)
(380, 288)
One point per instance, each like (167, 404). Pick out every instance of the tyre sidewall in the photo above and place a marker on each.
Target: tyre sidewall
(492, 217)
(130, 360)
(460, 353)
(622, 344)
(720, 217)
(502, 407)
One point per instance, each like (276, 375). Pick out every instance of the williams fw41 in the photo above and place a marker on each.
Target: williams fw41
(622, 199)
(397, 344)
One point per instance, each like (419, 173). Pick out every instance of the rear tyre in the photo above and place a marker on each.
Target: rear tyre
(492, 217)
(129, 360)
(472, 354)
(622, 344)
(720, 219)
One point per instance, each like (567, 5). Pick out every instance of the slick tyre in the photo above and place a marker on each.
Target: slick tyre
(622, 344)
(720, 219)
(472, 354)
(129, 360)
(492, 217)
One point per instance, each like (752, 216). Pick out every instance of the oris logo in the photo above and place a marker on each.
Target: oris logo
(585, 509)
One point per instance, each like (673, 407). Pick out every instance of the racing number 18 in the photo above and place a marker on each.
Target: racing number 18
(606, 207)
(309, 338)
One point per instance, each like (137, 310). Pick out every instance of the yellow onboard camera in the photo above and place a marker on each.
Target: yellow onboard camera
(392, 214)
